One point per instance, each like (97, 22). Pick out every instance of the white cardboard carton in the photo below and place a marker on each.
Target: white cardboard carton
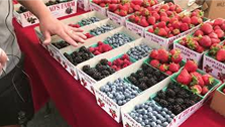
(84, 4)
(99, 9)
(214, 67)
(177, 121)
(59, 10)
(117, 18)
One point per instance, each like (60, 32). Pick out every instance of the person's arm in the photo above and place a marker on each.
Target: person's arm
(3, 60)
(50, 25)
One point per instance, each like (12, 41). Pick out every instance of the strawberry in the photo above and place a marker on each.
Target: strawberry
(197, 79)
(145, 12)
(178, 9)
(131, 10)
(165, 7)
(196, 89)
(216, 27)
(176, 58)
(173, 67)
(168, 72)
(190, 66)
(220, 33)
(163, 55)
(184, 27)
(96, 1)
(205, 90)
(163, 67)
(162, 24)
(220, 56)
(176, 31)
(214, 49)
(205, 41)
(137, 7)
(218, 21)
(192, 44)
(198, 33)
(102, 4)
(208, 79)
(144, 22)
(213, 35)
(215, 40)
(184, 77)
(176, 25)
(155, 63)
(137, 2)
(200, 49)
(186, 19)
(207, 28)
(123, 13)
(151, 20)
(223, 26)
(112, 7)
(195, 20)
(151, 30)
(125, 56)
(223, 90)
(154, 54)
(131, 18)
(161, 32)
(156, 15)
(137, 19)
(117, 12)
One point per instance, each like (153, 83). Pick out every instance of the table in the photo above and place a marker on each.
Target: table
(77, 106)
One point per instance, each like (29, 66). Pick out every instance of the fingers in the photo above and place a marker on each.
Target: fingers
(76, 29)
(65, 35)
(75, 37)
(47, 37)
(3, 57)
(81, 35)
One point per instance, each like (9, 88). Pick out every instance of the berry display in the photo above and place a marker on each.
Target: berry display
(176, 98)
(168, 62)
(100, 71)
(79, 56)
(146, 77)
(120, 91)
(61, 44)
(118, 39)
(150, 114)
(120, 63)
(139, 52)
(196, 82)
(100, 48)
(209, 34)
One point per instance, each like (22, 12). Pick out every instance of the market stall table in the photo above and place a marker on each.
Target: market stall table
(76, 104)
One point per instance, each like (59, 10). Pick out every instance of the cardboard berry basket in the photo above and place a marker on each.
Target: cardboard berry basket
(84, 4)
(99, 9)
(77, 19)
(107, 104)
(58, 10)
(128, 121)
(218, 101)
(214, 67)
(117, 18)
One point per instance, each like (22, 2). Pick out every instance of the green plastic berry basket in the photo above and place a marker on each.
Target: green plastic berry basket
(211, 87)
(220, 89)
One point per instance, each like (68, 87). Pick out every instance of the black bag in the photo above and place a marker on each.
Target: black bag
(16, 104)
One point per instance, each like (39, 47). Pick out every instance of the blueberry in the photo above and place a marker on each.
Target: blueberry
(165, 124)
(153, 124)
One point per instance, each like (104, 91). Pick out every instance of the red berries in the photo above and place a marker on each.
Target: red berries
(120, 63)
(101, 48)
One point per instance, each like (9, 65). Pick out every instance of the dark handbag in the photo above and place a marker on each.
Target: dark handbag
(16, 104)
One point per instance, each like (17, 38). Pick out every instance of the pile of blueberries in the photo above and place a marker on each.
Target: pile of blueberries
(146, 77)
(139, 52)
(176, 98)
(120, 91)
(61, 44)
(118, 40)
(88, 21)
(102, 29)
(149, 114)
(100, 71)
(79, 56)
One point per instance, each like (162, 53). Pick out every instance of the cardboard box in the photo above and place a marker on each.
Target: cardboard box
(213, 9)
(59, 10)
(214, 67)
(218, 101)
(84, 4)
(99, 9)
(117, 18)
(128, 121)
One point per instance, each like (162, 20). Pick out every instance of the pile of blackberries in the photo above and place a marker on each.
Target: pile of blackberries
(79, 56)
(176, 98)
(146, 77)
(149, 114)
(100, 71)
(61, 44)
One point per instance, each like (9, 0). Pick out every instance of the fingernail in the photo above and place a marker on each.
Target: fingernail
(7, 59)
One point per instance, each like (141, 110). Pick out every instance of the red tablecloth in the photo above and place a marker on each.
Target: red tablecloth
(77, 106)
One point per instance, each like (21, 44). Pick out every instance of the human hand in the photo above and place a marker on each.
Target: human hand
(51, 26)
(3, 59)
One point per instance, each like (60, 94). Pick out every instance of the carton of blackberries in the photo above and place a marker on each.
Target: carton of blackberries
(115, 91)
(218, 100)
(58, 8)
(166, 105)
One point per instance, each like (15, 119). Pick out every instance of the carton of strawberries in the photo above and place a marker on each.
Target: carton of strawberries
(191, 78)
(168, 62)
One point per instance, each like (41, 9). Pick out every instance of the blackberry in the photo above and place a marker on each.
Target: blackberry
(171, 100)
(170, 93)
(161, 94)
(83, 49)
(183, 107)
(156, 99)
(177, 109)
(86, 68)
(143, 86)
(97, 76)
(144, 66)
(104, 61)
(157, 73)
(179, 101)
(163, 102)
(106, 73)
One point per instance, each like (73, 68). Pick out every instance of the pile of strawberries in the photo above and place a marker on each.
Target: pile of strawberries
(74, 25)
(209, 33)
(106, 3)
(168, 62)
(195, 81)
(149, 16)
(88, 35)
(101, 48)
(169, 27)
(124, 9)
(120, 63)
(217, 51)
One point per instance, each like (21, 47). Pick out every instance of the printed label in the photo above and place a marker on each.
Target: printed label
(135, 28)
(95, 7)
(116, 18)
